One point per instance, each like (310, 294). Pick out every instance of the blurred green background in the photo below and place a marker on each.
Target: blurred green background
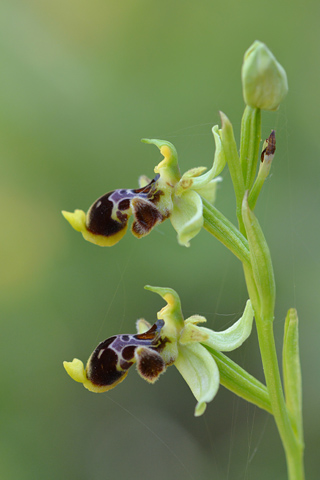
(81, 83)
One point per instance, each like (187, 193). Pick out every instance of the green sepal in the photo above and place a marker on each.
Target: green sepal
(168, 168)
(186, 216)
(202, 184)
(201, 373)
(172, 311)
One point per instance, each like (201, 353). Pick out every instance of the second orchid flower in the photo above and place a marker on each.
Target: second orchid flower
(170, 341)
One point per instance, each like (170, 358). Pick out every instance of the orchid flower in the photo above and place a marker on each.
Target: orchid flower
(168, 195)
(170, 341)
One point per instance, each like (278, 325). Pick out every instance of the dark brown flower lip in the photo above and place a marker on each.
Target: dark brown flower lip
(113, 357)
(108, 215)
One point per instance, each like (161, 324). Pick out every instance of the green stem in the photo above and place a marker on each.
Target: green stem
(220, 227)
(293, 450)
(263, 304)
(240, 382)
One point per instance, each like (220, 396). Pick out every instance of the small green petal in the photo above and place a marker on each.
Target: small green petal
(205, 184)
(186, 217)
(195, 319)
(188, 179)
(193, 173)
(201, 373)
(225, 341)
(142, 325)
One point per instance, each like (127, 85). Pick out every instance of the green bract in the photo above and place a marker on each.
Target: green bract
(168, 195)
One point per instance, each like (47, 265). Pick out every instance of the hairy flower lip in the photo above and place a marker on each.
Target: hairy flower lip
(108, 364)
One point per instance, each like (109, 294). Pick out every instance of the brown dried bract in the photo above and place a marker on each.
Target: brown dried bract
(271, 146)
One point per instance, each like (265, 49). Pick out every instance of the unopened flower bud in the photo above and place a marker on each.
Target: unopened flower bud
(264, 80)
